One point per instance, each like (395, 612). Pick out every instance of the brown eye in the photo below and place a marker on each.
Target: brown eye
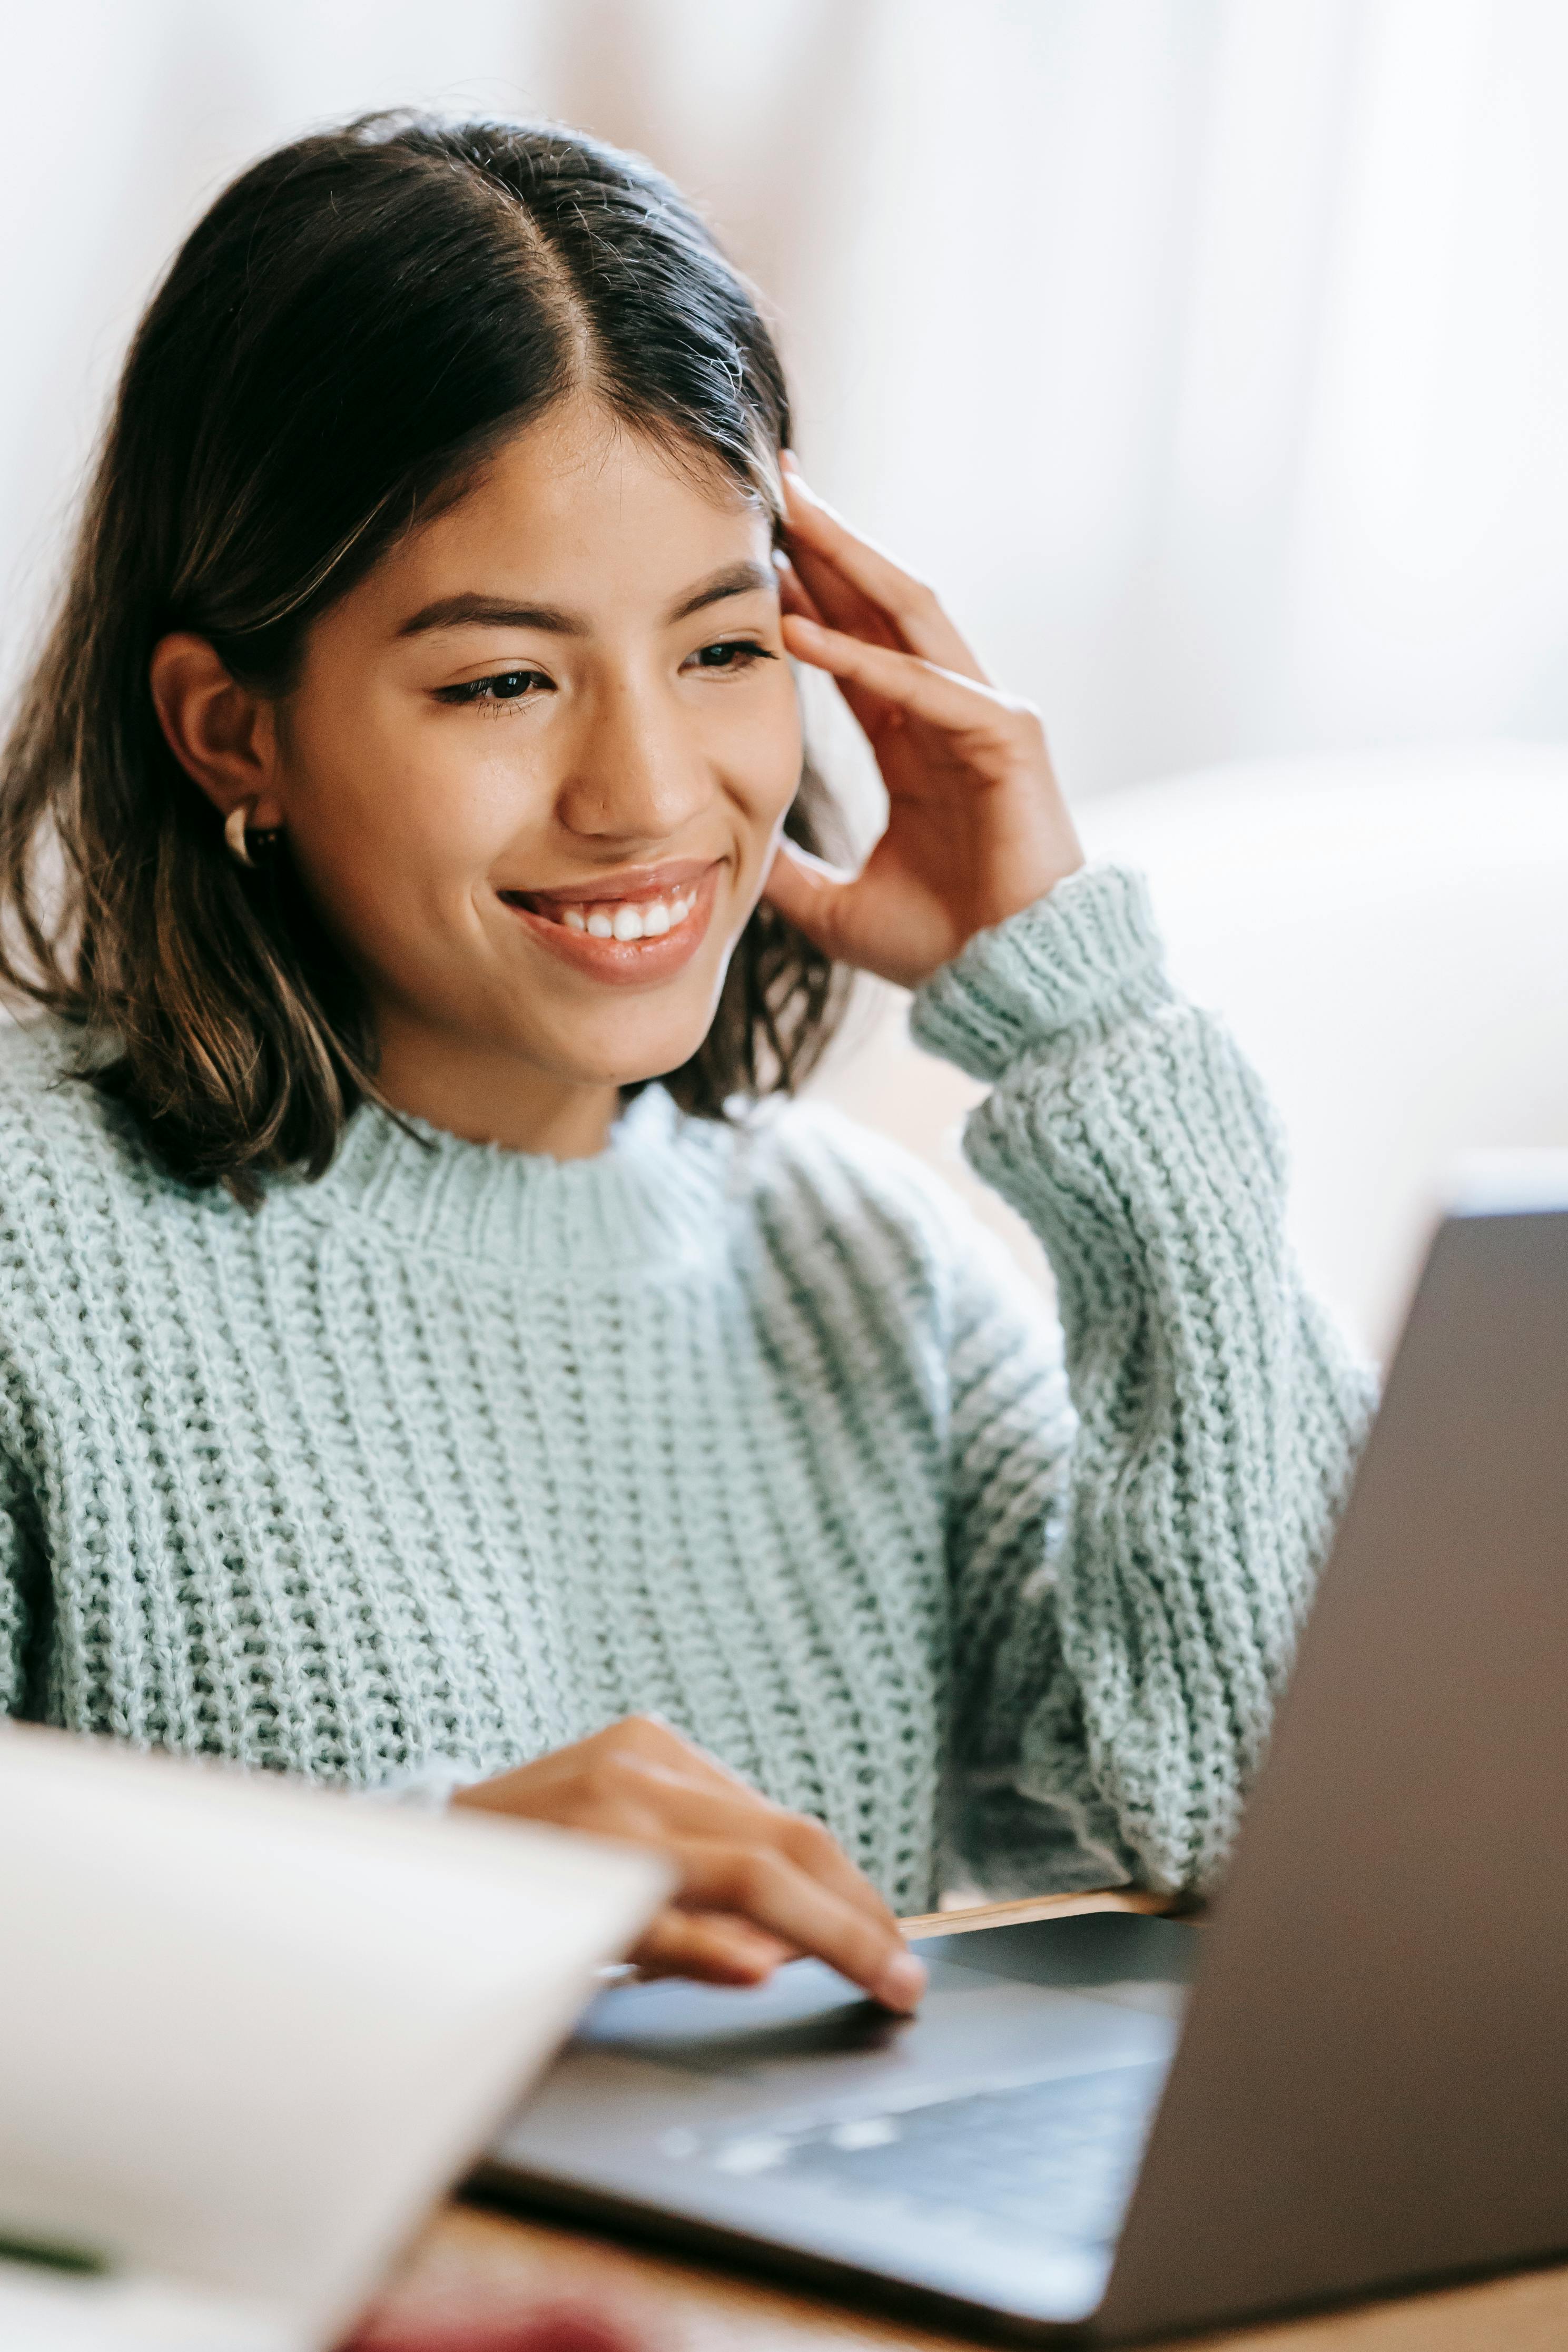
(734, 653)
(501, 685)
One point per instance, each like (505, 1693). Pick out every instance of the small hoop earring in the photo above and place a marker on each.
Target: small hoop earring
(233, 831)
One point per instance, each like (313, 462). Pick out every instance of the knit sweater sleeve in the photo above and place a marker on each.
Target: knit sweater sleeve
(20, 1589)
(1132, 1562)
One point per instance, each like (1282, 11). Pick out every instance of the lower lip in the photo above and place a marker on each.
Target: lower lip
(626, 963)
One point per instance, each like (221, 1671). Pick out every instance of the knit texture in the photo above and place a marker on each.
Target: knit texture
(459, 1452)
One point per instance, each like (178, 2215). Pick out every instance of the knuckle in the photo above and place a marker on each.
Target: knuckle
(614, 1778)
(808, 1839)
(640, 1734)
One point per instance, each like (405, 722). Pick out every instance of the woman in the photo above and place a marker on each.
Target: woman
(424, 1360)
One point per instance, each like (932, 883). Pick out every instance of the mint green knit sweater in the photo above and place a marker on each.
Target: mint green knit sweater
(460, 1453)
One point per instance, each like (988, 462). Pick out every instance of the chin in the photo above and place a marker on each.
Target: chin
(620, 1059)
(590, 1034)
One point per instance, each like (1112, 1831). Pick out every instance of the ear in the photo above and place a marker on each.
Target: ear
(223, 735)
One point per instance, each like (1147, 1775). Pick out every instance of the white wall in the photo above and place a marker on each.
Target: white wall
(1210, 354)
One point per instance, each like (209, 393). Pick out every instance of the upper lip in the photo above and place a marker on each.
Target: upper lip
(624, 882)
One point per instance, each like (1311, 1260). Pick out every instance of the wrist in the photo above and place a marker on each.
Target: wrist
(1084, 955)
(1035, 884)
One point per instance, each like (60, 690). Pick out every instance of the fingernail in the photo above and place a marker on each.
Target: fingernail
(789, 460)
(902, 1983)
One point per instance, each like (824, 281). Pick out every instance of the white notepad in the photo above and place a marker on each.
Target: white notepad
(248, 2031)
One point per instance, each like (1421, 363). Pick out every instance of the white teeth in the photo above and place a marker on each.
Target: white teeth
(626, 919)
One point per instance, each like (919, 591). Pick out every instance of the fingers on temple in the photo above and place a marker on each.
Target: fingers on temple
(914, 609)
(955, 704)
(794, 596)
(837, 601)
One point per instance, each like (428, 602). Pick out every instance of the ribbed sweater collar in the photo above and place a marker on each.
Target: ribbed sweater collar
(648, 1198)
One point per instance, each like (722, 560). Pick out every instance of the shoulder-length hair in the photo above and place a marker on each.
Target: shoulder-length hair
(354, 326)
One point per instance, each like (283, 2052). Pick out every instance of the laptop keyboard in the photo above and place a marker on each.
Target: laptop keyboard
(1056, 2157)
(1049, 2158)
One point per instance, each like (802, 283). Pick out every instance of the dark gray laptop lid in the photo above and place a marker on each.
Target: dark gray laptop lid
(1373, 2085)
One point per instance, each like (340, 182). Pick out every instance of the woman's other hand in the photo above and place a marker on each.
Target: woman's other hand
(757, 1884)
(976, 826)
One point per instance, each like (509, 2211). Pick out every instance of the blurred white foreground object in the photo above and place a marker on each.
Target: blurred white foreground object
(248, 2030)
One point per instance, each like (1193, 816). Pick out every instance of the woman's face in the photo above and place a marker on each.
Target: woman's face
(535, 766)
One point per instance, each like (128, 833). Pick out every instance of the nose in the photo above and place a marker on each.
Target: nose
(635, 775)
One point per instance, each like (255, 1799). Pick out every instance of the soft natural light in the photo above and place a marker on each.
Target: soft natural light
(1210, 357)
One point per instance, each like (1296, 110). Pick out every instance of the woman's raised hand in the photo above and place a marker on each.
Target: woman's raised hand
(976, 826)
(757, 1884)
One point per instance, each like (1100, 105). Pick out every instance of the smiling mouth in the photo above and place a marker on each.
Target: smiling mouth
(641, 934)
(653, 916)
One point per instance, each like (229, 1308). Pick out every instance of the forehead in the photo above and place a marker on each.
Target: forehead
(579, 509)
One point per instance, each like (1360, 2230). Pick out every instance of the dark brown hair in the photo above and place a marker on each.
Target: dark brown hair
(352, 328)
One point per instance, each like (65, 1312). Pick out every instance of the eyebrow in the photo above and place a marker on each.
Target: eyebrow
(472, 610)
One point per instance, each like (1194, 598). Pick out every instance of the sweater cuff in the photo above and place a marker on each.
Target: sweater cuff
(430, 1786)
(1085, 955)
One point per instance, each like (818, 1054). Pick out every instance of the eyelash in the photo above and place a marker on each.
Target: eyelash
(478, 693)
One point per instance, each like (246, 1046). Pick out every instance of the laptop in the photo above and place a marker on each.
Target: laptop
(1351, 2077)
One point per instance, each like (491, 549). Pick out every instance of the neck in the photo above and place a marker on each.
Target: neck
(487, 1096)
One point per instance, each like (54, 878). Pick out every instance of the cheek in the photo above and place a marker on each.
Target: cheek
(392, 819)
(764, 763)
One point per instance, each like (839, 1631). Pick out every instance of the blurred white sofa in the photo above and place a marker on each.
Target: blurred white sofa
(1386, 934)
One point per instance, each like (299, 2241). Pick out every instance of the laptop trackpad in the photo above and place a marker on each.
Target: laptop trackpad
(806, 2011)
(996, 2003)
